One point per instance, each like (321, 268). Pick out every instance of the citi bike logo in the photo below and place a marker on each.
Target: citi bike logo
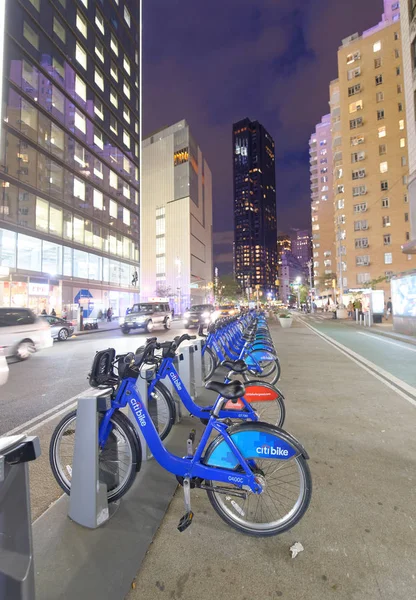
(270, 451)
(176, 381)
(137, 407)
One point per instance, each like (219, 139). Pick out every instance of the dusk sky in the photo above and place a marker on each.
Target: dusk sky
(213, 63)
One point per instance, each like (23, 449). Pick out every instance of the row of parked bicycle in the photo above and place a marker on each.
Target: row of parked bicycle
(256, 474)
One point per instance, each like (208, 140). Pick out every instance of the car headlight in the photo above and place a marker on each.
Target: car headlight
(187, 315)
(207, 321)
(205, 315)
(232, 312)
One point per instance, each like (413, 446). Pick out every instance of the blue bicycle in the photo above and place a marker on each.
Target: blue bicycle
(255, 474)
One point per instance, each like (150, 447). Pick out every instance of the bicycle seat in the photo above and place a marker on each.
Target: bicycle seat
(238, 366)
(231, 391)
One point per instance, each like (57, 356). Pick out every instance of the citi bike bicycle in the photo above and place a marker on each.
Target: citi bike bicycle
(256, 475)
(261, 400)
(245, 339)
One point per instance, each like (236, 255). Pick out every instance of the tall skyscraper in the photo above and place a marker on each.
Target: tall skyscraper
(301, 246)
(322, 205)
(69, 201)
(255, 229)
(370, 162)
(408, 34)
(176, 225)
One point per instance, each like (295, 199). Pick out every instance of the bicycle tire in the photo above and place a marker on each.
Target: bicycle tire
(163, 397)
(124, 425)
(274, 528)
(209, 363)
(273, 373)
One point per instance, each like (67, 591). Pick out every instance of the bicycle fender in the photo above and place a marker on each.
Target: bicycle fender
(258, 355)
(254, 441)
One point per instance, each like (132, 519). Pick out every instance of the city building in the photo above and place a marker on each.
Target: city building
(370, 177)
(290, 271)
(284, 242)
(408, 35)
(255, 229)
(176, 219)
(322, 203)
(301, 245)
(69, 201)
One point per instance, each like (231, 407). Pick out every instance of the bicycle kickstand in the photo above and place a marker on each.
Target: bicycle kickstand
(186, 520)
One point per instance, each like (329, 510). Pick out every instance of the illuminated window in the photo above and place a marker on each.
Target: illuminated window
(113, 209)
(383, 167)
(377, 47)
(98, 138)
(127, 17)
(402, 142)
(99, 79)
(81, 24)
(99, 50)
(98, 200)
(113, 97)
(386, 221)
(382, 132)
(354, 106)
(388, 258)
(80, 88)
(126, 138)
(126, 89)
(79, 188)
(85, 3)
(126, 114)
(98, 108)
(126, 216)
(401, 124)
(36, 4)
(42, 214)
(126, 65)
(114, 71)
(30, 35)
(59, 30)
(113, 124)
(81, 55)
(114, 44)
(80, 121)
(113, 180)
(99, 21)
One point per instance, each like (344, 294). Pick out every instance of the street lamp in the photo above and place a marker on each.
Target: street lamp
(298, 282)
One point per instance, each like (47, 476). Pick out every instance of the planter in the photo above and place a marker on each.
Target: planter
(285, 322)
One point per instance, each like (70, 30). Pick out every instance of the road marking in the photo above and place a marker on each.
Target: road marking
(378, 337)
(400, 386)
(55, 410)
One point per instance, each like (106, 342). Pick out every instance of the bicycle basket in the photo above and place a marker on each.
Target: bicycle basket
(102, 372)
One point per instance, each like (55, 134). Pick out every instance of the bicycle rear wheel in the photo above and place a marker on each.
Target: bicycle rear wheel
(162, 409)
(271, 408)
(287, 490)
(119, 460)
(269, 370)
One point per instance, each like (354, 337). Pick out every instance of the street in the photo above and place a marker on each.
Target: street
(58, 374)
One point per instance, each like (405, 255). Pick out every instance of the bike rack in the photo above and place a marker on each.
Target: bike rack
(197, 360)
(168, 383)
(17, 581)
(88, 504)
(185, 369)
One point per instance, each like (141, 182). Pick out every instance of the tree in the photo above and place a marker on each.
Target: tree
(325, 282)
(163, 290)
(227, 289)
(374, 282)
(303, 293)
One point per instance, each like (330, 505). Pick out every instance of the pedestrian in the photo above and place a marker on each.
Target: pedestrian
(44, 312)
(350, 309)
(109, 315)
(173, 313)
(65, 313)
(53, 312)
(389, 307)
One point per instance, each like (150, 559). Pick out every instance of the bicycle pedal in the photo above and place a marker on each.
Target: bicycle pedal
(185, 521)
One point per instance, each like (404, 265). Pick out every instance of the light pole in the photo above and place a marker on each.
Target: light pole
(298, 281)
(309, 265)
(178, 264)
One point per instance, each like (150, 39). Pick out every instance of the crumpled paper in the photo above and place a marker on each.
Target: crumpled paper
(296, 548)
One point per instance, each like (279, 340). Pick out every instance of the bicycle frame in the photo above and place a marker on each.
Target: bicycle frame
(185, 467)
(167, 369)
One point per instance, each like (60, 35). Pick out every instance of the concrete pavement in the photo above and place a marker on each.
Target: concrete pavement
(359, 532)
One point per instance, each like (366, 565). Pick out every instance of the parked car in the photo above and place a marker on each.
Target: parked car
(22, 332)
(61, 329)
(147, 316)
(198, 314)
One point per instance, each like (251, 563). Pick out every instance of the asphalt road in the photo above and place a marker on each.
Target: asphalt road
(395, 357)
(57, 374)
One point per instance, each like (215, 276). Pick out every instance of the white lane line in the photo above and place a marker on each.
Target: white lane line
(382, 339)
(387, 378)
(46, 413)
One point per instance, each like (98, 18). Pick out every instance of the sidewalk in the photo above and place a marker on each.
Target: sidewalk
(358, 534)
(102, 326)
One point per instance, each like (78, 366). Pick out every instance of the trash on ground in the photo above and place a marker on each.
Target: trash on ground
(296, 548)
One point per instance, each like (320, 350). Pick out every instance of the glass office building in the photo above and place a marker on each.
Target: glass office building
(69, 168)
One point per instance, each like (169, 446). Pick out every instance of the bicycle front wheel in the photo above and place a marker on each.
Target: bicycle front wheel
(269, 370)
(162, 409)
(118, 460)
(209, 362)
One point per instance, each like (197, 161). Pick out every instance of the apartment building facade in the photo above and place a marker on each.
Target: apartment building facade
(322, 205)
(371, 161)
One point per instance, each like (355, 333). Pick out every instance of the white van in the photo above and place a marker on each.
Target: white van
(21, 333)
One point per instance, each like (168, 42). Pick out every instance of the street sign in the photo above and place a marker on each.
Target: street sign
(82, 294)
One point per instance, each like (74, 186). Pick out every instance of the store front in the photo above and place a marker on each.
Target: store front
(35, 293)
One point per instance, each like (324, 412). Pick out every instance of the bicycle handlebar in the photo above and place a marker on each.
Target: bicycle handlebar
(152, 344)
